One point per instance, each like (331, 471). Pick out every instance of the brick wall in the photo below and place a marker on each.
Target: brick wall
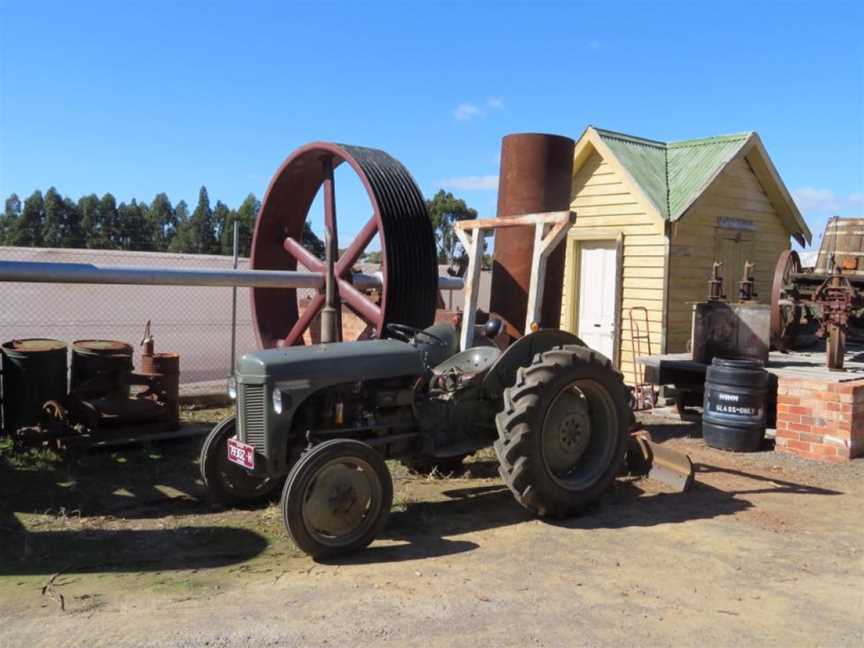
(820, 420)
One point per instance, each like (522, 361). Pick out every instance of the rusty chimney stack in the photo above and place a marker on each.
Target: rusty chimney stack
(536, 176)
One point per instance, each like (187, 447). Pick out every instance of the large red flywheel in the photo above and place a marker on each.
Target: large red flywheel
(399, 218)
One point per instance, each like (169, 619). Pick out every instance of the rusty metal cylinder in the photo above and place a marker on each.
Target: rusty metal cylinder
(34, 372)
(162, 371)
(536, 176)
(101, 369)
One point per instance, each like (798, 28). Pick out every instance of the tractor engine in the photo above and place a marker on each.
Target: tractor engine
(370, 409)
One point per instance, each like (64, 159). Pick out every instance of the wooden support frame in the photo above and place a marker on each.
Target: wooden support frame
(550, 228)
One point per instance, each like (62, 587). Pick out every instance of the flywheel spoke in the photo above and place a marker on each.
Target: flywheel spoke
(312, 309)
(357, 247)
(304, 256)
(359, 303)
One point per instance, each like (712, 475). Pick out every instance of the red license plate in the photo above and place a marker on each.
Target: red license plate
(241, 453)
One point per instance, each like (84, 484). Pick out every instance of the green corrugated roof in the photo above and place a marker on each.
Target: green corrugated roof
(673, 174)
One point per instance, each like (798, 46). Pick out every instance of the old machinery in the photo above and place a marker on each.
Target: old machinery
(321, 419)
(398, 218)
(325, 416)
(105, 396)
(785, 313)
(715, 283)
(746, 289)
(830, 297)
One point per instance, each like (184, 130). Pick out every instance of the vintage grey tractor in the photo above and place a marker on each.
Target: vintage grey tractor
(327, 416)
(320, 420)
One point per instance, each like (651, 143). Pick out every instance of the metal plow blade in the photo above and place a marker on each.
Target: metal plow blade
(644, 457)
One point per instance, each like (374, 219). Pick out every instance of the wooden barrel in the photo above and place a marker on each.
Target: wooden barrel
(844, 241)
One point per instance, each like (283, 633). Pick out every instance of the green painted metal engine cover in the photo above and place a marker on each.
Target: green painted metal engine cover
(328, 364)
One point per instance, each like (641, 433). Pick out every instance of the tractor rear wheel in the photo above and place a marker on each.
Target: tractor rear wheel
(563, 431)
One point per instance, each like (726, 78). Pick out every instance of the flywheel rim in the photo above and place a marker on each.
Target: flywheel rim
(408, 257)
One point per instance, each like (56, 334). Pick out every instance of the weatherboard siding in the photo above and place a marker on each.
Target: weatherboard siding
(604, 205)
(736, 194)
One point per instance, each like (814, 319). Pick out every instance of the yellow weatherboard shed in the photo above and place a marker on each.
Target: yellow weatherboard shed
(651, 218)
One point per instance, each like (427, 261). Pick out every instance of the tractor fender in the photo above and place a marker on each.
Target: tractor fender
(502, 374)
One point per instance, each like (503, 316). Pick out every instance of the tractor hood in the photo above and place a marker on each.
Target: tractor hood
(332, 363)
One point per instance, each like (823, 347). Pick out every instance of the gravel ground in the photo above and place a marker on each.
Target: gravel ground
(765, 550)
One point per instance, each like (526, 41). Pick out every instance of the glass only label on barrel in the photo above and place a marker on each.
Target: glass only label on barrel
(731, 403)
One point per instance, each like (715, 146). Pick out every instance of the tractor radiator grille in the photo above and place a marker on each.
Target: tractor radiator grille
(251, 410)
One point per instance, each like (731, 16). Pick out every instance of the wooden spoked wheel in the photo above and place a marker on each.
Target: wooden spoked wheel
(785, 314)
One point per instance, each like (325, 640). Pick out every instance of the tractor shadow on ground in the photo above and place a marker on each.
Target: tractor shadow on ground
(135, 482)
(431, 528)
(26, 552)
(88, 491)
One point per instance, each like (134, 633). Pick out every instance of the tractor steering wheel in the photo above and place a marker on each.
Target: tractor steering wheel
(410, 334)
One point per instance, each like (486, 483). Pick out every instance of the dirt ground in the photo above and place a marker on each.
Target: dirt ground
(122, 548)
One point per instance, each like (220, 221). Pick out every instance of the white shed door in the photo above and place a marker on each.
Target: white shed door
(598, 265)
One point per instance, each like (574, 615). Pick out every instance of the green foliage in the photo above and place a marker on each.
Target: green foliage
(100, 223)
(133, 227)
(10, 216)
(27, 228)
(444, 210)
(244, 216)
(90, 224)
(161, 222)
(53, 217)
(109, 236)
(197, 234)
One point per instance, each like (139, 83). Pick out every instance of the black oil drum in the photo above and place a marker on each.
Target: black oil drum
(733, 417)
(101, 368)
(34, 372)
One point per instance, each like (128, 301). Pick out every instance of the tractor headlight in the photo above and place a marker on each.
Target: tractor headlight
(278, 405)
(232, 388)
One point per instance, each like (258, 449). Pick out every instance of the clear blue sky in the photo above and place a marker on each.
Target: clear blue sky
(140, 97)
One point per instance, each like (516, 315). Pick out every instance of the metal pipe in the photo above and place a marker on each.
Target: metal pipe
(331, 329)
(536, 176)
(86, 273)
(235, 261)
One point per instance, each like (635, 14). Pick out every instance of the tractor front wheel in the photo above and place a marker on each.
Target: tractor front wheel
(337, 498)
(563, 431)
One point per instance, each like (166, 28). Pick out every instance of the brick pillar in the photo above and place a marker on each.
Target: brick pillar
(820, 420)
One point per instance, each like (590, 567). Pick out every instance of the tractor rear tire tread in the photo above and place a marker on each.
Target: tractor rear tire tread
(521, 465)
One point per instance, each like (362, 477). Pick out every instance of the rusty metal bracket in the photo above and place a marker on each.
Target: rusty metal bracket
(746, 290)
(715, 284)
(837, 298)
